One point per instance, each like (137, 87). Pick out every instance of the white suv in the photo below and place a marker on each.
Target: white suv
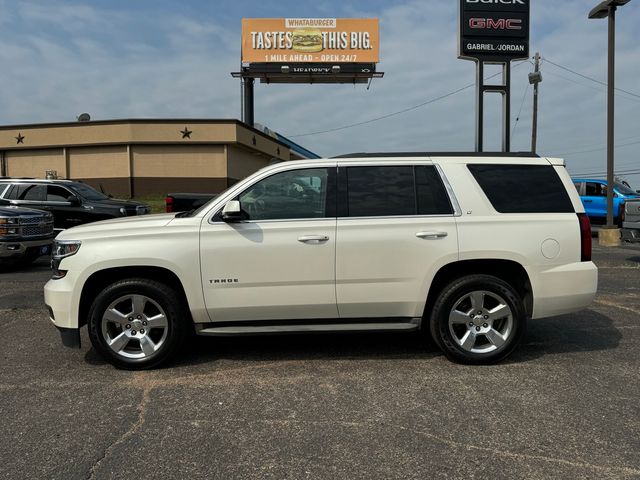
(464, 246)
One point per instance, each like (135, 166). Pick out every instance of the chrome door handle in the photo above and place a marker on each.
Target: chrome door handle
(432, 235)
(313, 239)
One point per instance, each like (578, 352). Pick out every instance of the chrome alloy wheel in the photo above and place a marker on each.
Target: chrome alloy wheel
(134, 326)
(481, 322)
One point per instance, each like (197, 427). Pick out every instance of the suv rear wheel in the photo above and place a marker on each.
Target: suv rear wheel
(137, 323)
(478, 319)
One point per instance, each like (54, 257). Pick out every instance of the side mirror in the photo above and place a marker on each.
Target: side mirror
(74, 201)
(232, 212)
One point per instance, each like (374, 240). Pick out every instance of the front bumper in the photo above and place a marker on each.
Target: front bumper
(58, 297)
(9, 249)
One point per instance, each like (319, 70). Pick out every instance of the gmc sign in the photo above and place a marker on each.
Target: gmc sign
(496, 24)
(494, 29)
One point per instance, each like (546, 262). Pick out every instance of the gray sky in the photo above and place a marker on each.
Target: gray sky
(122, 59)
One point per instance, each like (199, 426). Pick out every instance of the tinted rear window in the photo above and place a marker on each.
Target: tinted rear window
(523, 188)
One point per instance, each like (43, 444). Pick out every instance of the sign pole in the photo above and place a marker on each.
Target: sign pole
(506, 107)
(479, 106)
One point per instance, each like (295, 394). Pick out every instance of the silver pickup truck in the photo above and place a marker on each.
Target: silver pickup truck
(631, 223)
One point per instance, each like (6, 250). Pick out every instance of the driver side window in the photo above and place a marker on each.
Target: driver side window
(296, 194)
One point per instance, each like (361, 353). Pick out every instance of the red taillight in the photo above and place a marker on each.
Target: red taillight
(585, 237)
(168, 202)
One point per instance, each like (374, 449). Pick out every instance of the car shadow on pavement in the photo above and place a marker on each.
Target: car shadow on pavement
(269, 348)
(586, 331)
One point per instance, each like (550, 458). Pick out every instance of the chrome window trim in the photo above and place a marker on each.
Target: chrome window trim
(316, 219)
(401, 217)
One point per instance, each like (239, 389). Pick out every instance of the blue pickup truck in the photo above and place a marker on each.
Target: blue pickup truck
(593, 194)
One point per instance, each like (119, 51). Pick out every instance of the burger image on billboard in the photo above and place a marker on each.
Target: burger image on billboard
(307, 40)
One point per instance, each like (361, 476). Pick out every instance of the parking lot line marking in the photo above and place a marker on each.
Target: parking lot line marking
(612, 304)
(525, 456)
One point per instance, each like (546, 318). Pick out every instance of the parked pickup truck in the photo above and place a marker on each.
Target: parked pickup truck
(631, 223)
(25, 234)
(384, 243)
(184, 202)
(71, 203)
(593, 194)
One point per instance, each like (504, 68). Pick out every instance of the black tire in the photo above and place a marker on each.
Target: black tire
(478, 344)
(160, 302)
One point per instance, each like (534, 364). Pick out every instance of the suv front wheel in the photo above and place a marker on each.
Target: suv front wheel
(137, 323)
(478, 319)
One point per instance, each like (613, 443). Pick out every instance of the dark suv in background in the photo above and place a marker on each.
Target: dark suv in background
(71, 203)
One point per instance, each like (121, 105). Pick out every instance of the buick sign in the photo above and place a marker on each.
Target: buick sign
(494, 29)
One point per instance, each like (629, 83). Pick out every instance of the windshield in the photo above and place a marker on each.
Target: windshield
(87, 192)
(624, 190)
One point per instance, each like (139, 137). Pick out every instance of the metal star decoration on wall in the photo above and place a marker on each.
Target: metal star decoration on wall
(19, 138)
(186, 133)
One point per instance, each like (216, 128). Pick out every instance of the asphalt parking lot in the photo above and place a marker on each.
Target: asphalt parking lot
(565, 405)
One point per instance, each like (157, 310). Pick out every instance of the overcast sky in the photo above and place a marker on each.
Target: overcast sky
(172, 59)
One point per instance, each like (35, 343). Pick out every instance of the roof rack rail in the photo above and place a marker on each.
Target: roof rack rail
(438, 154)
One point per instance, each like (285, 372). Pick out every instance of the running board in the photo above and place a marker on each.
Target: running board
(239, 329)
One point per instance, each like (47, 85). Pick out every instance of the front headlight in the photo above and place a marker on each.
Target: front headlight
(62, 249)
(123, 211)
(8, 226)
(65, 248)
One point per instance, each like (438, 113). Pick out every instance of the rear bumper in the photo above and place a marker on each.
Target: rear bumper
(563, 289)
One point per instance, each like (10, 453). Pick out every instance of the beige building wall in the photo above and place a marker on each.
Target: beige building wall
(179, 161)
(178, 168)
(35, 163)
(242, 163)
(98, 162)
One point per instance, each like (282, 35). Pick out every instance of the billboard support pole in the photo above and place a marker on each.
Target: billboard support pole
(248, 101)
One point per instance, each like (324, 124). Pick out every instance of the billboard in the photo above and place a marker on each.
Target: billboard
(494, 29)
(310, 40)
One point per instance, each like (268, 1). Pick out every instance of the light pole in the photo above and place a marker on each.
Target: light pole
(535, 79)
(610, 235)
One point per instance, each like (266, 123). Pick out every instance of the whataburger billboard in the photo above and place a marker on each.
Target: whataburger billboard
(310, 40)
(494, 29)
